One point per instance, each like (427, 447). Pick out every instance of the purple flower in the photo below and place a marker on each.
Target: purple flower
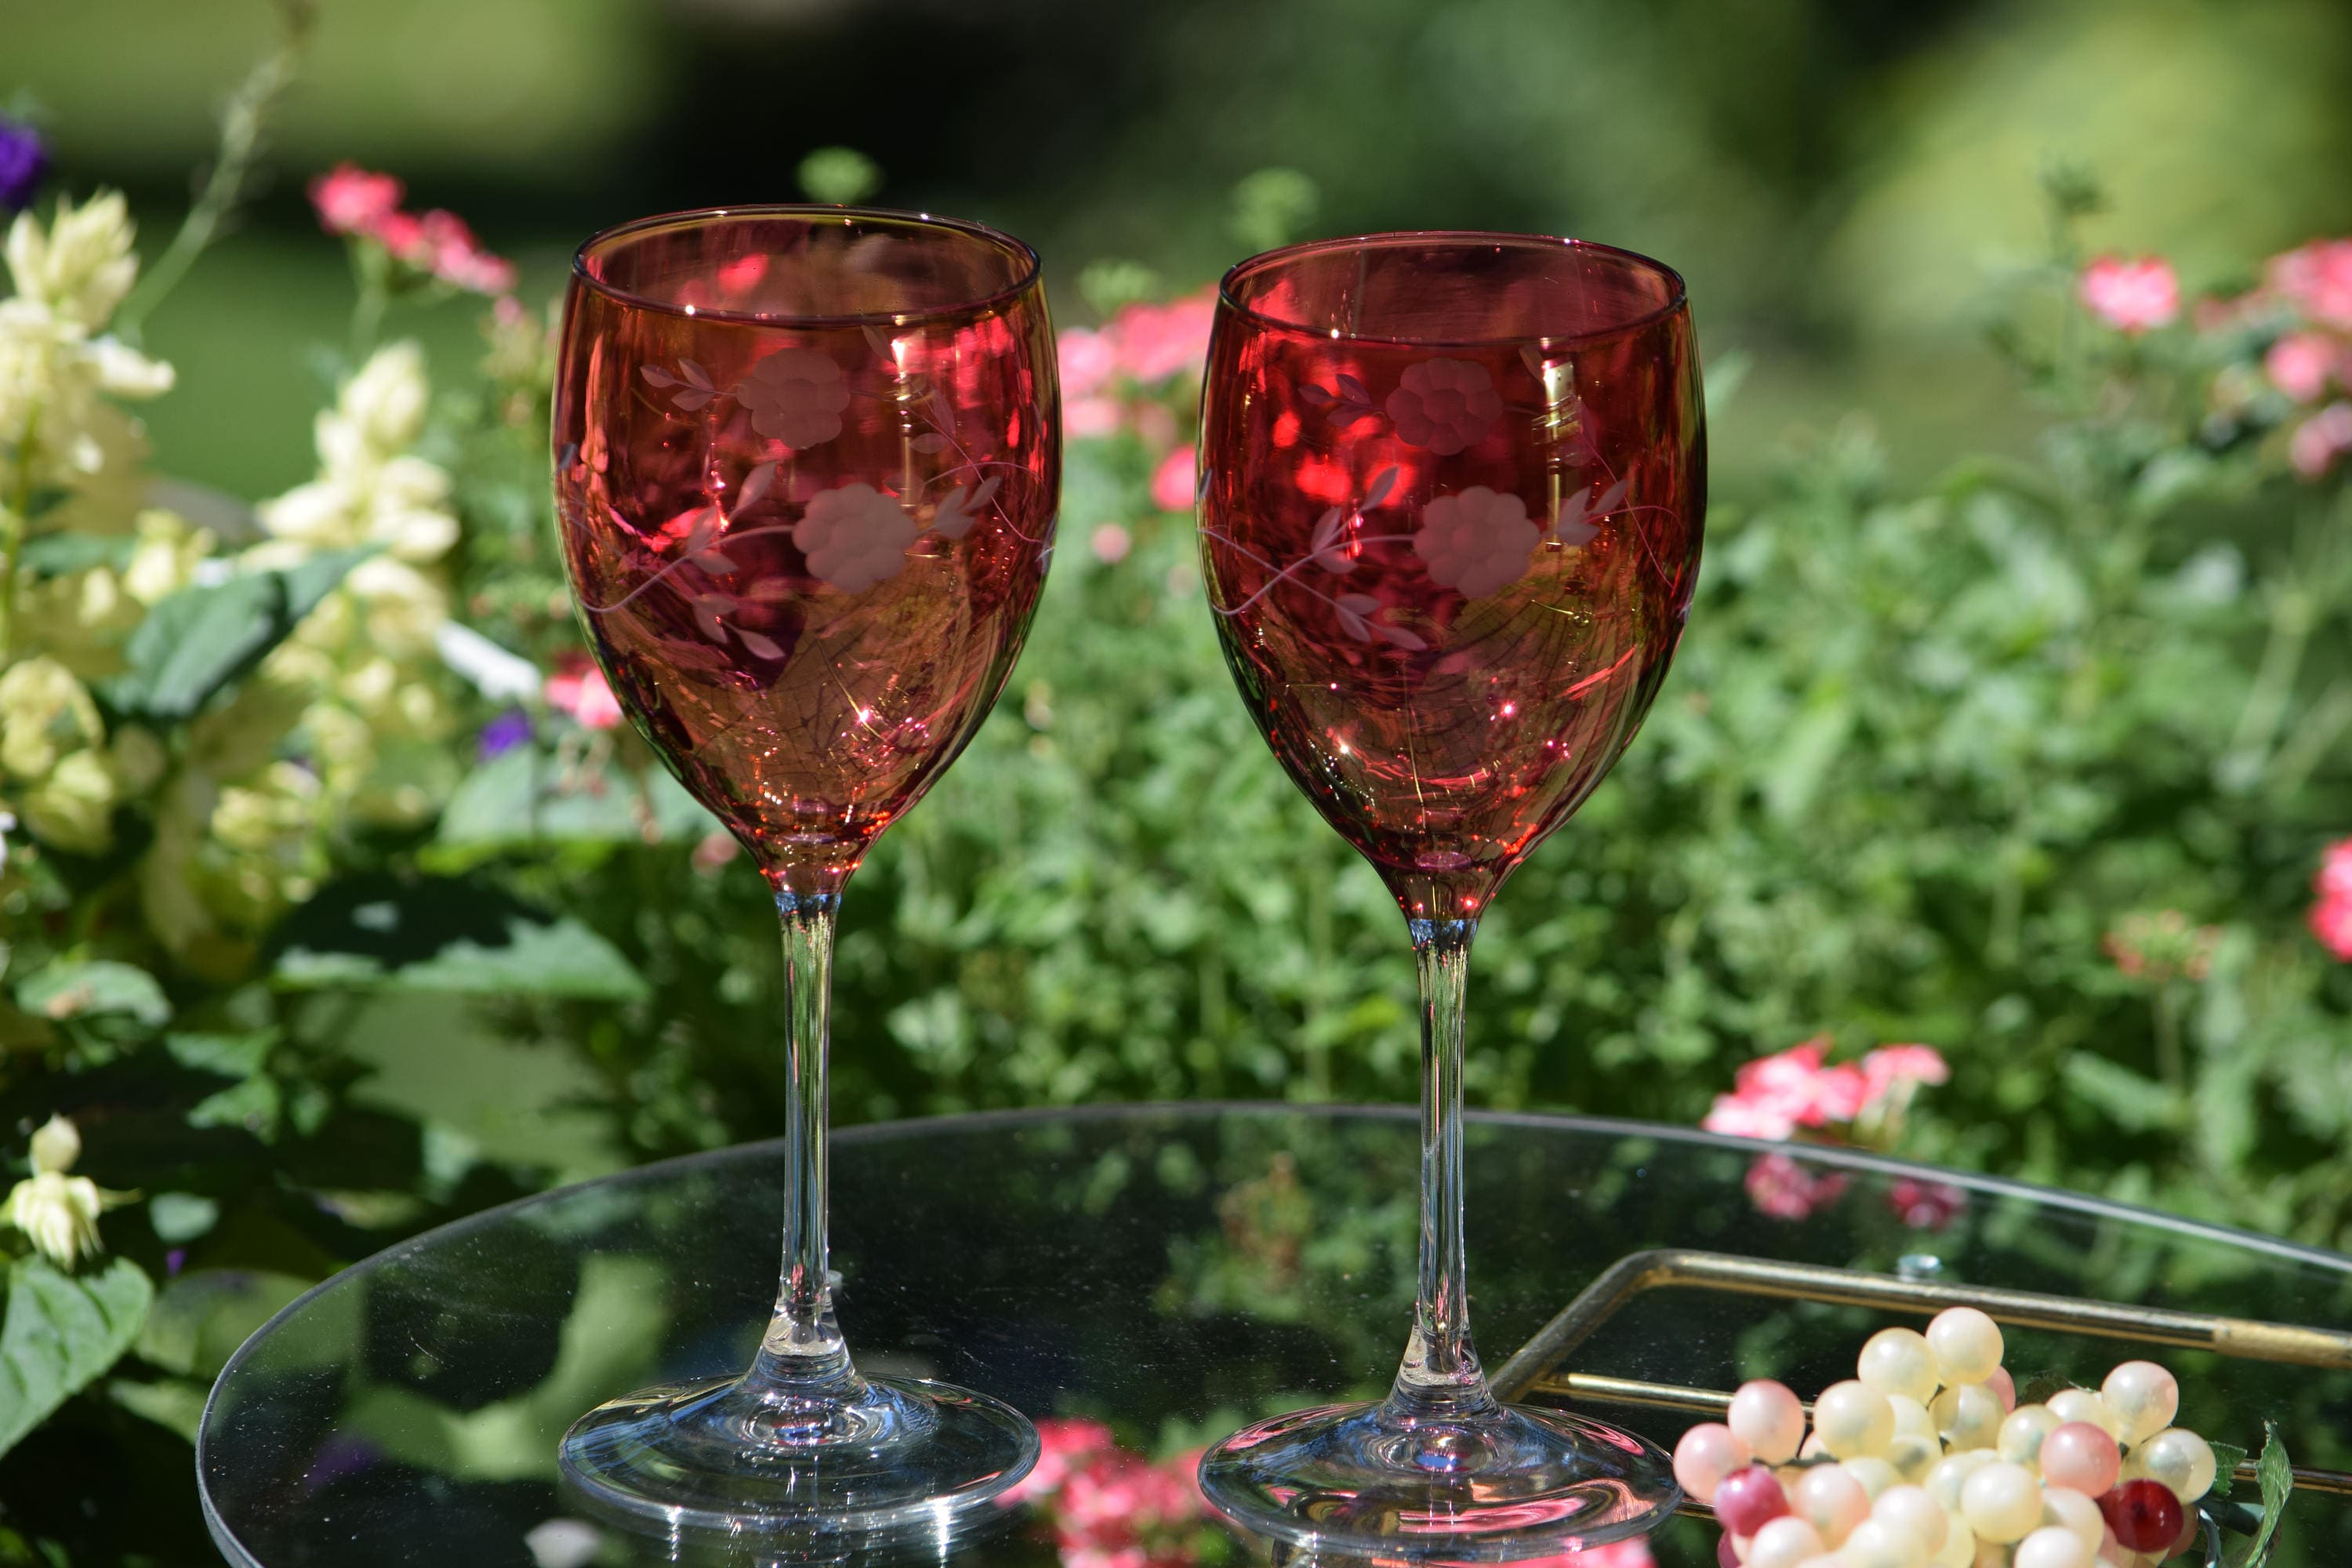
(174, 1261)
(504, 733)
(24, 165)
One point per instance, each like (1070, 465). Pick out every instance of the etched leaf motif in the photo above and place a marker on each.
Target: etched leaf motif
(1315, 396)
(1326, 549)
(943, 411)
(879, 344)
(760, 647)
(960, 510)
(1354, 415)
(1200, 486)
(1352, 389)
(755, 485)
(707, 609)
(713, 561)
(1382, 483)
(700, 533)
(1397, 637)
(656, 376)
(1327, 529)
(1354, 610)
(694, 372)
(690, 401)
(930, 444)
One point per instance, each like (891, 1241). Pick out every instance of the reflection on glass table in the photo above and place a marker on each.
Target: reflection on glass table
(1143, 1281)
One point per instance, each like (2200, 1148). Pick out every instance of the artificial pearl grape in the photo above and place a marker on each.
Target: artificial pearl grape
(2144, 1398)
(2002, 1502)
(2144, 1515)
(1874, 1474)
(1784, 1544)
(1874, 1544)
(1948, 1477)
(2082, 1405)
(2073, 1510)
(1853, 1419)
(1708, 1453)
(1832, 1502)
(1747, 1501)
(2180, 1459)
(2053, 1546)
(1766, 1417)
(1968, 1414)
(1911, 1418)
(1913, 1457)
(1727, 1554)
(2003, 1387)
(1967, 1343)
(1811, 1449)
(2081, 1459)
(1899, 1361)
(1911, 1508)
(2021, 1433)
(1990, 1555)
(1960, 1548)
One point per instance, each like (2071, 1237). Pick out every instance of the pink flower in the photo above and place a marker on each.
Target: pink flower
(2335, 879)
(2132, 296)
(1171, 482)
(2318, 277)
(2298, 365)
(1926, 1206)
(1445, 404)
(1152, 342)
(1738, 1118)
(1087, 360)
(1477, 542)
(2331, 915)
(1780, 1187)
(579, 688)
(795, 396)
(1119, 1511)
(1063, 1445)
(1090, 416)
(1892, 1068)
(1796, 1082)
(853, 537)
(351, 200)
(713, 850)
(2313, 447)
(445, 247)
(1110, 543)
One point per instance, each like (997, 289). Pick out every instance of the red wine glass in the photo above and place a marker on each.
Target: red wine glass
(1451, 493)
(807, 461)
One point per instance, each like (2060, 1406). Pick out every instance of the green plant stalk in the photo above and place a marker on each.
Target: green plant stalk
(20, 524)
(245, 125)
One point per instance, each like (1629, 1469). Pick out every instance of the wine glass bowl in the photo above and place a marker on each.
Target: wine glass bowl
(1451, 495)
(807, 462)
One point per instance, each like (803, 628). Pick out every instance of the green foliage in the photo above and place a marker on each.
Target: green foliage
(202, 639)
(61, 1335)
(842, 176)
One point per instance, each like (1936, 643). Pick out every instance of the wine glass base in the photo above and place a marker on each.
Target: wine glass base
(726, 1457)
(1514, 1482)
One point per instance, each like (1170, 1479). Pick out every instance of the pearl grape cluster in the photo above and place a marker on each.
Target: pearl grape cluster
(1926, 1460)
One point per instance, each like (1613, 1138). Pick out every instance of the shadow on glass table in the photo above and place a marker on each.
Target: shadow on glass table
(1143, 1281)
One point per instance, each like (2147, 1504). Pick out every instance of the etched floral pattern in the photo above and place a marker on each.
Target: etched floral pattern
(1477, 542)
(1445, 404)
(796, 396)
(855, 537)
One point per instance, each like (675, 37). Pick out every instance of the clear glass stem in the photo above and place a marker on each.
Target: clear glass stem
(802, 1356)
(1440, 1379)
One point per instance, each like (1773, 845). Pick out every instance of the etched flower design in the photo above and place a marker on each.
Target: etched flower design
(1477, 542)
(1445, 404)
(795, 396)
(960, 509)
(855, 537)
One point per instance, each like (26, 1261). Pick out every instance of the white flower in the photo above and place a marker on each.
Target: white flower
(1477, 542)
(370, 489)
(56, 1145)
(853, 537)
(126, 372)
(7, 826)
(82, 267)
(795, 396)
(381, 409)
(73, 807)
(58, 1214)
(43, 713)
(500, 675)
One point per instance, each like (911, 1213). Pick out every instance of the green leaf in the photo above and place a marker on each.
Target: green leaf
(61, 1333)
(201, 639)
(2277, 1477)
(74, 990)
(201, 1318)
(2227, 1458)
(2132, 1102)
(61, 555)
(523, 797)
(450, 935)
(169, 1401)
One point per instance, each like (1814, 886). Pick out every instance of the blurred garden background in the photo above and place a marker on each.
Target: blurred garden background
(2014, 718)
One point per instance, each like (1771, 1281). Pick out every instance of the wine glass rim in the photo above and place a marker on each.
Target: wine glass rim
(1678, 299)
(1021, 250)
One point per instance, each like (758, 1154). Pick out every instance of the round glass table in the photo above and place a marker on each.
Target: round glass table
(1144, 1280)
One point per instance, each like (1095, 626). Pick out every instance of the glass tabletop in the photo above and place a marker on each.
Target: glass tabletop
(1144, 1281)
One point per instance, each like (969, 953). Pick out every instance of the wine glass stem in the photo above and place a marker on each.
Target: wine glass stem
(1440, 1378)
(803, 1347)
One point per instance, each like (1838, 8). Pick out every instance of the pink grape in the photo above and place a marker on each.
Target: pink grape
(2081, 1457)
(1767, 1417)
(1747, 1501)
(1708, 1453)
(2005, 1386)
